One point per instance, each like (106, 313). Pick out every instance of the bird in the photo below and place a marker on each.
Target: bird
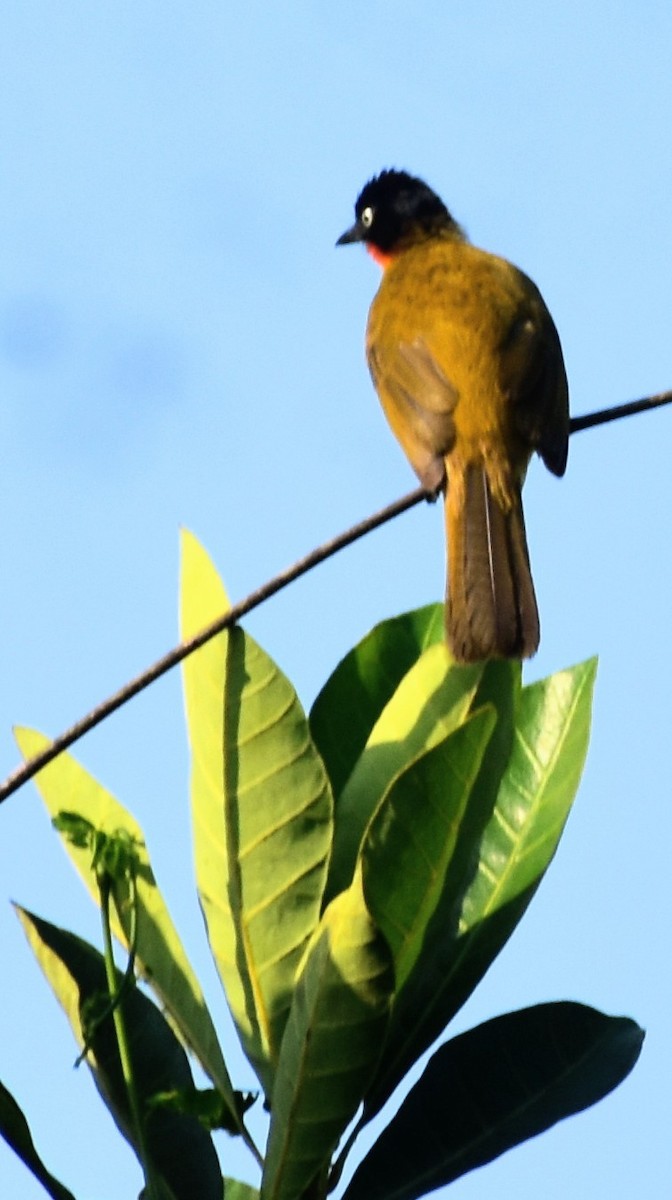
(468, 366)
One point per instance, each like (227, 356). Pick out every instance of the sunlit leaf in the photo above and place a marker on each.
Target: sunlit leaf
(474, 919)
(262, 816)
(331, 1043)
(354, 696)
(235, 1189)
(492, 1088)
(16, 1132)
(537, 792)
(412, 835)
(65, 786)
(432, 699)
(181, 1150)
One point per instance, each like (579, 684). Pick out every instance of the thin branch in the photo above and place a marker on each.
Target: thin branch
(25, 771)
(591, 420)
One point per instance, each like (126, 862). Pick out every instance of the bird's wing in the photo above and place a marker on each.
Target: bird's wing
(533, 375)
(419, 401)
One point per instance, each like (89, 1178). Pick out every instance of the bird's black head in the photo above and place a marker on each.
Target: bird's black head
(394, 209)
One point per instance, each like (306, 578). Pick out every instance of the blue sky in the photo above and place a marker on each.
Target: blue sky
(181, 345)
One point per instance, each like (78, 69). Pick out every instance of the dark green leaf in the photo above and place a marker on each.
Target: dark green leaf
(182, 1151)
(432, 700)
(14, 1129)
(495, 870)
(552, 730)
(492, 1088)
(332, 1041)
(411, 838)
(422, 1009)
(354, 696)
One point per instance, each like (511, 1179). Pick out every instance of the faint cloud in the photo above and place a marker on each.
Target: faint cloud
(32, 332)
(101, 394)
(144, 367)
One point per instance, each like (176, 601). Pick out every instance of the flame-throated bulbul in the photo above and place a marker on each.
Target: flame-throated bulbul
(467, 363)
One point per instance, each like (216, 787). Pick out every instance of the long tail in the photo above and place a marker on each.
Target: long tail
(491, 609)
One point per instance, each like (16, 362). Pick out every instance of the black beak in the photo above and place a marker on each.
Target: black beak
(355, 234)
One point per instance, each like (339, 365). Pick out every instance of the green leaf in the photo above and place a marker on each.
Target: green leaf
(432, 699)
(14, 1128)
(492, 1088)
(181, 1150)
(235, 1189)
(352, 699)
(66, 787)
(206, 1104)
(262, 816)
(411, 838)
(480, 907)
(537, 792)
(331, 1044)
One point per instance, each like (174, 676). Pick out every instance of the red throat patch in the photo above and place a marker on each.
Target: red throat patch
(379, 256)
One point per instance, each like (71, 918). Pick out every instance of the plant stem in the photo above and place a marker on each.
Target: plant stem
(105, 886)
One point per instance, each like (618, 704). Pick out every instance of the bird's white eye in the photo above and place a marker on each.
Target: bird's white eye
(367, 218)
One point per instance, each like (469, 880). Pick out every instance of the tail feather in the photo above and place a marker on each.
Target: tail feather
(491, 609)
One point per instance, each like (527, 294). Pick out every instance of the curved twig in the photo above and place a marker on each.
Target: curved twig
(25, 771)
